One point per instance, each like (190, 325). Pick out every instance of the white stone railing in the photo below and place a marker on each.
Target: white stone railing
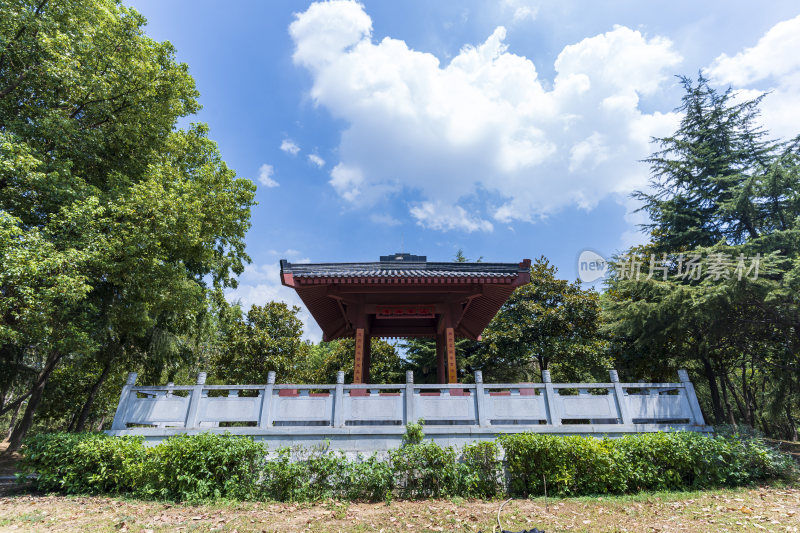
(456, 413)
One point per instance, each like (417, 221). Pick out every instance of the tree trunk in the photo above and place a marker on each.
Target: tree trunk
(728, 409)
(739, 404)
(716, 404)
(21, 429)
(748, 398)
(87, 406)
(13, 421)
(792, 426)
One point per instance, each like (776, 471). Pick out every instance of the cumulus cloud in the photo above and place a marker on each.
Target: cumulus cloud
(261, 283)
(290, 147)
(484, 122)
(265, 173)
(316, 160)
(775, 54)
(773, 65)
(522, 9)
(436, 215)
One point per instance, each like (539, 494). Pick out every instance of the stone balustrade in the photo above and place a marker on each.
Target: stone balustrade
(368, 418)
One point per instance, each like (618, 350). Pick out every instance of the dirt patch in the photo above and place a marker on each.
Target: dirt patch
(765, 508)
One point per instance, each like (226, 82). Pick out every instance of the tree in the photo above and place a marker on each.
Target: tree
(720, 190)
(704, 177)
(548, 324)
(421, 356)
(327, 358)
(42, 288)
(91, 163)
(268, 338)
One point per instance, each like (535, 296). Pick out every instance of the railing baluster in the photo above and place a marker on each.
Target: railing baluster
(553, 412)
(194, 401)
(121, 416)
(409, 414)
(338, 401)
(619, 394)
(480, 400)
(265, 415)
(694, 405)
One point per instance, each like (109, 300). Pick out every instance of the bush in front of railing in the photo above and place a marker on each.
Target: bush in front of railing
(199, 467)
(575, 465)
(210, 466)
(82, 463)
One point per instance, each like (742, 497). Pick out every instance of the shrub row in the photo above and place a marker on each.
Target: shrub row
(209, 466)
(574, 465)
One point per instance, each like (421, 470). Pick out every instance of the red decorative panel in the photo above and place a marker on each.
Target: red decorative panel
(405, 311)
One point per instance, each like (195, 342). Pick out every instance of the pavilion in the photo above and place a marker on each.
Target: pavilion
(404, 295)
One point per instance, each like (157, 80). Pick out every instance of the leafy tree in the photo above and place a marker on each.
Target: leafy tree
(42, 288)
(705, 177)
(719, 189)
(268, 338)
(147, 220)
(461, 258)
(421, 356)
(548, 324)
(327, 358)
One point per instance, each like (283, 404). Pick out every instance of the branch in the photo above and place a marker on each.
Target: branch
(22, 29)
(5, 92)
(13, 405)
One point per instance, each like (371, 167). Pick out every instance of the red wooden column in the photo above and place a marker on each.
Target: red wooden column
(358, 362)
(440, 358)
(450, 344)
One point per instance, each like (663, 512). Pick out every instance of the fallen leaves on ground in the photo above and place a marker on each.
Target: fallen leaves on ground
(763, 509)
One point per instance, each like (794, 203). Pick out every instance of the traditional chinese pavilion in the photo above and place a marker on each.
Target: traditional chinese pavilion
(404, 295)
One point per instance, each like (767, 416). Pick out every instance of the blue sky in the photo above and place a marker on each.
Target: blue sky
(509, 129)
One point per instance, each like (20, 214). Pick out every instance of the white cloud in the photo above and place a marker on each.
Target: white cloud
(260, 284)
(484, 122)
(347, 181)
(772, 64)
(447, 217)
(289, 253)
(265, 173)
(774, 55)
(290, 147)
(522, 9)
(384, 219)
(316, 160)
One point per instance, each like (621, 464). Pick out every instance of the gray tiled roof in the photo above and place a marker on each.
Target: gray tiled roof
(400, 270)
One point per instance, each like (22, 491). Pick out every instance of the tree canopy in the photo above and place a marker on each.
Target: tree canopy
(548, 324)
(722, 197)
(142, 223)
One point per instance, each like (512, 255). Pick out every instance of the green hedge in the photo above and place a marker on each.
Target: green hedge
(208, 466)
(576, 465)
(83, 462)
(201, 466)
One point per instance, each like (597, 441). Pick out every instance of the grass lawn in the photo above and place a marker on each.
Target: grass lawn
(772, 508)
